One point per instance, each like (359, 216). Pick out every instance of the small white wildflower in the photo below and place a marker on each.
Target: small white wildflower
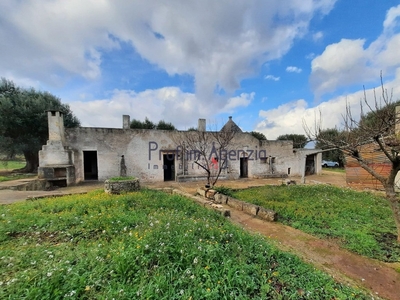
(49, 274)
(195, 260)
(151, 224)
(181, 292)
(51, 256)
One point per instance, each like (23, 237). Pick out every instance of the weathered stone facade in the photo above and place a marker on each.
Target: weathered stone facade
(153, 155)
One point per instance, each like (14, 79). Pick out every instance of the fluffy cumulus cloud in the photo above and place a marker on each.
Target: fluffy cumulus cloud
(291, 117)
(351, 61)
(169, 104)
(217, 42)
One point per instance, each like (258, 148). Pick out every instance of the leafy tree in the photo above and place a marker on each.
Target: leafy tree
(192, 129)
(162, 125)
(259, 135)
(299, 140)
(377, 128)
(147, 124)
(334, 154)
(23, 120)
(136, 124)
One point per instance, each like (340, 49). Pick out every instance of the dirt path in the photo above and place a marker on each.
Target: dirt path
(380, 279)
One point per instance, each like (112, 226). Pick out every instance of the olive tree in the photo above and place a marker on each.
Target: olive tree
(23, 120)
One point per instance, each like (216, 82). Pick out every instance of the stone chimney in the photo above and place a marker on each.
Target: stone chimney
(56, 126)
(201, 126)
(126, 122)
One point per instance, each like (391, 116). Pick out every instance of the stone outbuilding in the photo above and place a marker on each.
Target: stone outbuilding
(73, 155)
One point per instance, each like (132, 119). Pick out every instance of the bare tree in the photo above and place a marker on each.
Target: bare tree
(207, 149)
(376, 128)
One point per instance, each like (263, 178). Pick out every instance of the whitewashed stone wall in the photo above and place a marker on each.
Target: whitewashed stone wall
(143, 150)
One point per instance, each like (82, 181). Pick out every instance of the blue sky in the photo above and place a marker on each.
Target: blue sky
(270, 64)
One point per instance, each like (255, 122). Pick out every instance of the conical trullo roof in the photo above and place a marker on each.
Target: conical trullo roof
(231, 126)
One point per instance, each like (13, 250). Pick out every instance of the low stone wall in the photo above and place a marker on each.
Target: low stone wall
(251, 209)
(121, 186)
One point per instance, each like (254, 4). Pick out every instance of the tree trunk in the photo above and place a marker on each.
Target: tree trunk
(32, 162)
(395, 206)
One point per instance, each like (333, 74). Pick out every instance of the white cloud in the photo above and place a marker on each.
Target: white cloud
(217, 42)
(272, 77)
(293, 69)
(169, 104)
(310, 56)
(349, 61)
(288, 118)
(317, 36)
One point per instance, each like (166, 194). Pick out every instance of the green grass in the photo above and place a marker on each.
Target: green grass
(145, 245)
(336, 170)
(11, 165)
(120, 178)
(361, 222)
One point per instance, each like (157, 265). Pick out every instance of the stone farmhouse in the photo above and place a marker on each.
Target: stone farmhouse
(90, 153)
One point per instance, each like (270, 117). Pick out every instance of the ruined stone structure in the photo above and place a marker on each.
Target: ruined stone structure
(77, 154)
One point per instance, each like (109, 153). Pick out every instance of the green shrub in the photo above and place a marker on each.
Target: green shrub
(224, 190)
(119, 178)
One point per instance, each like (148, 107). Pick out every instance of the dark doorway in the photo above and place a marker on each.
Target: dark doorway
(310, 165)
(169, 167)
(90, 165)
(244, 167)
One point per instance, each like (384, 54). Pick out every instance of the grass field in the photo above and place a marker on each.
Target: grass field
(145, 245)
(360, 221)
(11, 165)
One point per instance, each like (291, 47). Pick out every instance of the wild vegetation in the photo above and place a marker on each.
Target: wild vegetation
(9, 165)
(359, 221)
(145, 245)
(147, 124)
(6, 166)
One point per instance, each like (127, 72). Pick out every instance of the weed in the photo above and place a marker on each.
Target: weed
(145, 245)
(361, 221)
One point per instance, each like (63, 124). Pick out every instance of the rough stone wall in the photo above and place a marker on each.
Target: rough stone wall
(121, 186)
(143, 153)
